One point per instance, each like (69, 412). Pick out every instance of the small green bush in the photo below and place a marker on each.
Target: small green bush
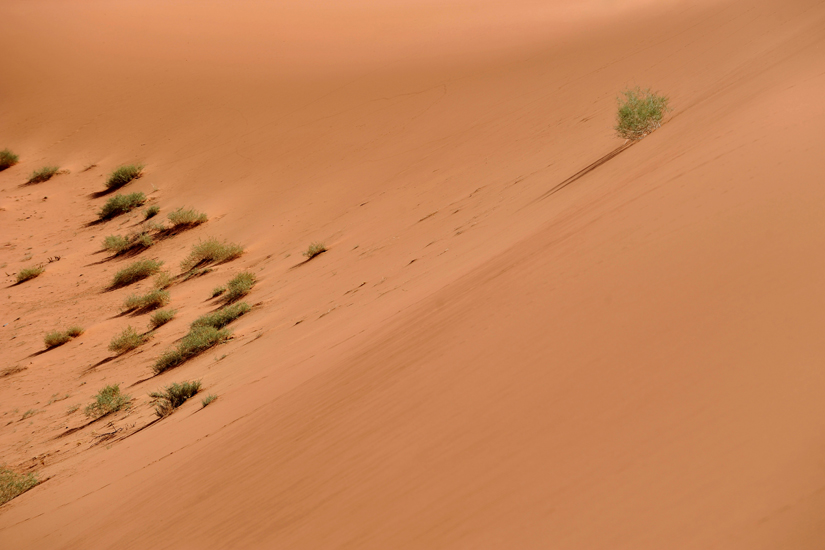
(7, 159)
(44, 174)
(107, 401)
(136, 272)
(74, 331)
(218, 290)
(211, 251)
(29, 273)
(118, 244)
(127, 340)
(314, 249)
(56, 338)
(222, 317)
(161, 317)
(121, 204)
(13, 484)
(123, 175)
(148, 302)
(181, 218)
(174, 396)
(640, 113)
(151, 212)
(197, 341)
(239, 286)
(208, 399)
(163, 280)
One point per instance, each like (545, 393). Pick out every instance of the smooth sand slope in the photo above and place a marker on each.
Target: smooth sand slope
(481, 359)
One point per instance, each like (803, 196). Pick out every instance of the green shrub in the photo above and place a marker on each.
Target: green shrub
(123, 175)
(314, 249)
(121, 204)
(197, 341)
(222, 317)
(640, 113)
(181, 218)
(148, 302)
(239, 286)
(208, 399)
(161, 317)
(218, 290)
(118, 244)
(107, 401)
(56, 338)
(136, 272)
(163, 280)
(7, 159)
(174, 396)
(13, 484)
(151, 212)
(29, 273)
(127, 340)
(211, 251)
(44, 174)
(74, 331)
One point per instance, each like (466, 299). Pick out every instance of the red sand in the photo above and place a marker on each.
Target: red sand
(635, 361)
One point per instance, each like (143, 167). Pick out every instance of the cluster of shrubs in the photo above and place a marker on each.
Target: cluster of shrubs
(60, 337)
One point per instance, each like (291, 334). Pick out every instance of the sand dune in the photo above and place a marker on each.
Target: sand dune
(482, 358)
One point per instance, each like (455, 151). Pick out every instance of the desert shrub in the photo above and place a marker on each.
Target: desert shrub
(121, 204)
(208, 399)
(197, 341)
(7, 159)
(172, 397)
(315, 249)
(160, 318)
(151, 212)
(56, 338)
(74, 331)
(640, 112)
(44, 174)
(107, 401)
(13, 484)
(136, 272)
(218, 290)
(127, 340)
(222, 317)
(29, 273)
(163, 280)
(211, 251)
(181, 218)
(148, 302)
(115, 243)
(239, 286)
(123, 175)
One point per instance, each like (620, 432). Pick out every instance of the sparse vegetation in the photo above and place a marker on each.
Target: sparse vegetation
(148, 302)
(107, 401)
(127, 340)
(239, 286)
(197, 341)
(174, 396)
(60, 337)
(160, 318)
(29, 273)
(211, 251)
(151, 212)
(314, 249)
(218, 290)
(208, 399)
(13, 484)
(28, 413)
(123, 175)
(182, 219)
(118, 244)
(222, 317)
(121, 204)
(44, 174)
(7, 159)
(163, 280)
(136, 272)
(640, 113)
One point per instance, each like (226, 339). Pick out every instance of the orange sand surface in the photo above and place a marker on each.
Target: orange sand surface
(483, 358)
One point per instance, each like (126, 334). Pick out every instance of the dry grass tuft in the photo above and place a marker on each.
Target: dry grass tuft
(150, 301)
(107, 401)
(183, 219)
(28, 273)
(640, 113)
(172, 397)
(197, 341)
(127, 340)
(60, 337)
(123, 175)
(118, 244)
(44, 174)
(211, 251)
(208, 399)
(13, 484)
(151, 212)
(239, 286)
(161, 317)
(121, 204)
(7, 159)
(136, 272)
(222, 317)
(315, 249)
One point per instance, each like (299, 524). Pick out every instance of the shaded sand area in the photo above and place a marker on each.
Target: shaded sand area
(482, 358)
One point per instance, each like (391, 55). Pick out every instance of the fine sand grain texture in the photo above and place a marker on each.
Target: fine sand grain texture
(524, 333)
